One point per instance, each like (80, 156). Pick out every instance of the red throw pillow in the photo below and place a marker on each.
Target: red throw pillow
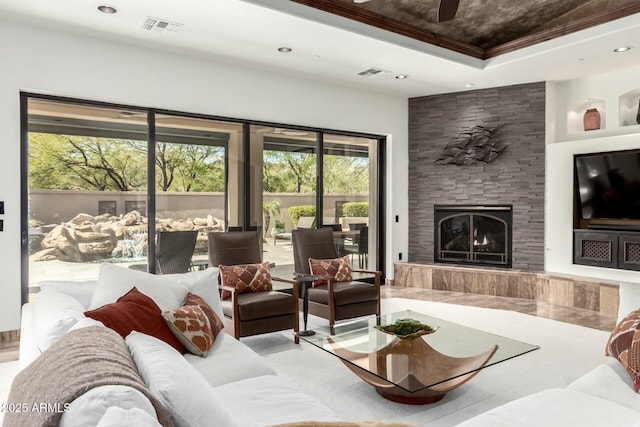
(134, 311)
(195, 324)
(624, 345)
(245, 278)
(338, 268)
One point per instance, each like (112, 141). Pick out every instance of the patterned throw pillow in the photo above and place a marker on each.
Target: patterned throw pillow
(338, 268)
(195, 324)
(135, 311)
(624, 344)
(246, 278)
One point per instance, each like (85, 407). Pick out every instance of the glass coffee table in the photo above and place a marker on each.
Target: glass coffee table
(419, 370)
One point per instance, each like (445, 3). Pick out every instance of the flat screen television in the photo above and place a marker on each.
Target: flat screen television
(608, 184)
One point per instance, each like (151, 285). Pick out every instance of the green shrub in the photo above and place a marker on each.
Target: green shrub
(356, 209)
(295, 212)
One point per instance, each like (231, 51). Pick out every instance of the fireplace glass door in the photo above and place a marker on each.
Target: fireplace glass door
(473, 237)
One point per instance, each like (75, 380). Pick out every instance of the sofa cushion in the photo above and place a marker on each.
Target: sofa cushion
(184, 392)
(629, 295)
(245, 278)
(345, 293)
(135, 311)
(134, 417)
(252, 306)
(624, 345)
(194, 324)
(203, 283)
(556, 408)
(338, 268)
(240, 361)
(90, 408)
(114, 281)
(609, 381)
(54, 313)
(80, 290)
(266, 399)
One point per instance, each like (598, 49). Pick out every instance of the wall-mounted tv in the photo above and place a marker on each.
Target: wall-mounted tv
(608, 184)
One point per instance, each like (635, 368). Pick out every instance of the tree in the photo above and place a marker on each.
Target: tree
(270, 209)
(202, 168)
(81, 162)
(345, 174)
(287, 172)
(303, 168)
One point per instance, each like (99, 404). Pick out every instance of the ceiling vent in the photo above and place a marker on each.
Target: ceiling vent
(372, 73)
(160, 25)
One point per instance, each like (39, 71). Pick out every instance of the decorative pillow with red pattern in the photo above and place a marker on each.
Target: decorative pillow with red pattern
(135, 311)
(624, 345)
(195, 324)
(245, 278)
(338, 268)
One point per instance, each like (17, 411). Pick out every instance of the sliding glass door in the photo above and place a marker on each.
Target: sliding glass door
(283, 189)
(198, 177)
(349, 180)
(101, 181)
(87, 189)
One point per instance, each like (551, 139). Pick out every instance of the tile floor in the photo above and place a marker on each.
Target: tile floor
(9, 351)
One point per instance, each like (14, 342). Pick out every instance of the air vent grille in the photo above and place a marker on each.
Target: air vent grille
(373, 72)
(160, 25)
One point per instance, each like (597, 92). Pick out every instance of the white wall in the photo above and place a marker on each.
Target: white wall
(47, 61)
(562, 144)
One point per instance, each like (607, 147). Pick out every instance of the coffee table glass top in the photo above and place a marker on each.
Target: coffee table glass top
(449, 355)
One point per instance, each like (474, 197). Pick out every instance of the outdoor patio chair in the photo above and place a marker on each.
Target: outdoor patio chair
(306, 222)
(360, 246)
(174, 250)
(252, 313)
(333, 300)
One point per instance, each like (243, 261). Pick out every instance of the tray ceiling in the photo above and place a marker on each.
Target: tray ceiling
(481, 29)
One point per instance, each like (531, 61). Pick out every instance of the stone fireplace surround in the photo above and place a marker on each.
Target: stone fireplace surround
(516, 178)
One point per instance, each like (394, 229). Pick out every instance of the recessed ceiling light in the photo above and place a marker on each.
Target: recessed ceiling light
(401, 76)
(469, 85)
(622, 49)
(284, 49)
(107, 9)
(361, 1)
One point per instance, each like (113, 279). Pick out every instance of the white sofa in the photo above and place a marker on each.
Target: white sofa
(604, 396)
(237, 380)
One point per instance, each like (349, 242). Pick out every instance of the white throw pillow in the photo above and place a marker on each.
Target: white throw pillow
(89, 408)
(203, 283)
(114, 281)
(81, 290)
(629, 294)
(189, 398)
(134, 417)
(53, 314)
(85, 322)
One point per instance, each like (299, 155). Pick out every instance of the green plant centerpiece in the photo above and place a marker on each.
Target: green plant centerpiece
(407, 329)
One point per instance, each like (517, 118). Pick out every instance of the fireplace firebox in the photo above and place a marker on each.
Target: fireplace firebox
(479, 235)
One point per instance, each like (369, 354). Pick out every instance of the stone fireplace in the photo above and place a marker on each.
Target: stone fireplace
(516, 178)
(473, 234)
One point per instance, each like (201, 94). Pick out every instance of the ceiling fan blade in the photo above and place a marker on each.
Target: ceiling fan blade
(447, 10)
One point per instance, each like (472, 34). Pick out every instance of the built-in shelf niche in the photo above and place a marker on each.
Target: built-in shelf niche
(575, 114)
(628, 107)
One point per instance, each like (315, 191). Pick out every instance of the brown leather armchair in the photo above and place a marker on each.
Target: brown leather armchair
(252, 313)
(334, 300)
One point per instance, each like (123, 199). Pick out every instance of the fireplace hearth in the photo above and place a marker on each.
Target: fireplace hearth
(473, 234)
